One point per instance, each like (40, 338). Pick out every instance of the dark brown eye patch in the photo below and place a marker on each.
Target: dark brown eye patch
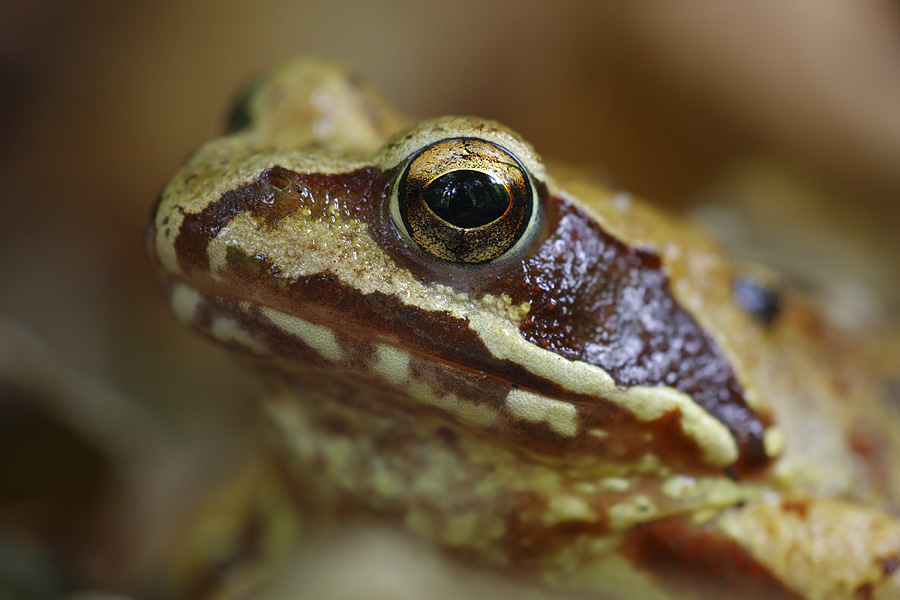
(465, 200)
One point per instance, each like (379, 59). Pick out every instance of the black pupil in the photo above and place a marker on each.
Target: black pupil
(466, 198)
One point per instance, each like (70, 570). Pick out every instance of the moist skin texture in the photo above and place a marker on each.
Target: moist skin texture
(593, 412)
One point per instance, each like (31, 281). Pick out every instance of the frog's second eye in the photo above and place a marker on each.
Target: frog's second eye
(464, 200)
(241, 112)
(759, 300)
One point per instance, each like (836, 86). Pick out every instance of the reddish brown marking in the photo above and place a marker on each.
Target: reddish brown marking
(528, 543)
(864, 442)
(280, 178)
(864, 592)
(798, 507)
(874, 452)
(686, 558)
(890, 565)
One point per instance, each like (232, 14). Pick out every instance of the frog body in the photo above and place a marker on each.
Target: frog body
(524, 368)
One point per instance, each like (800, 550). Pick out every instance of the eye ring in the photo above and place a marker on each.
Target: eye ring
(464, 200)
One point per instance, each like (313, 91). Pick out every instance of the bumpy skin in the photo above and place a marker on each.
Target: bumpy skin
(595, 411)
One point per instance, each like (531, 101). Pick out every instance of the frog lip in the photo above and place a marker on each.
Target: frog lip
(388, 364)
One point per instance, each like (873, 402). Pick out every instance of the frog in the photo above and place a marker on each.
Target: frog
(523, 368)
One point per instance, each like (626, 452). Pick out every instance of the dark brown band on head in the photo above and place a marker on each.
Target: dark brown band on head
(592, 297)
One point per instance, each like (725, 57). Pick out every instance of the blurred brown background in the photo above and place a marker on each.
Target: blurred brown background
(787, 113)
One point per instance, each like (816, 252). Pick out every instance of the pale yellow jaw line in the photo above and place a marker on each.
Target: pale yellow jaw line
(501, 337)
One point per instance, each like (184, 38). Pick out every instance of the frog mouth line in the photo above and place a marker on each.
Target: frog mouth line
(502, 393)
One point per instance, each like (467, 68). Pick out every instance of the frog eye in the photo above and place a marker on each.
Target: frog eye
(465, 200)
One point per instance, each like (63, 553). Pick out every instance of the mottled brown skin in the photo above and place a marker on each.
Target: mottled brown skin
(597, 401)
